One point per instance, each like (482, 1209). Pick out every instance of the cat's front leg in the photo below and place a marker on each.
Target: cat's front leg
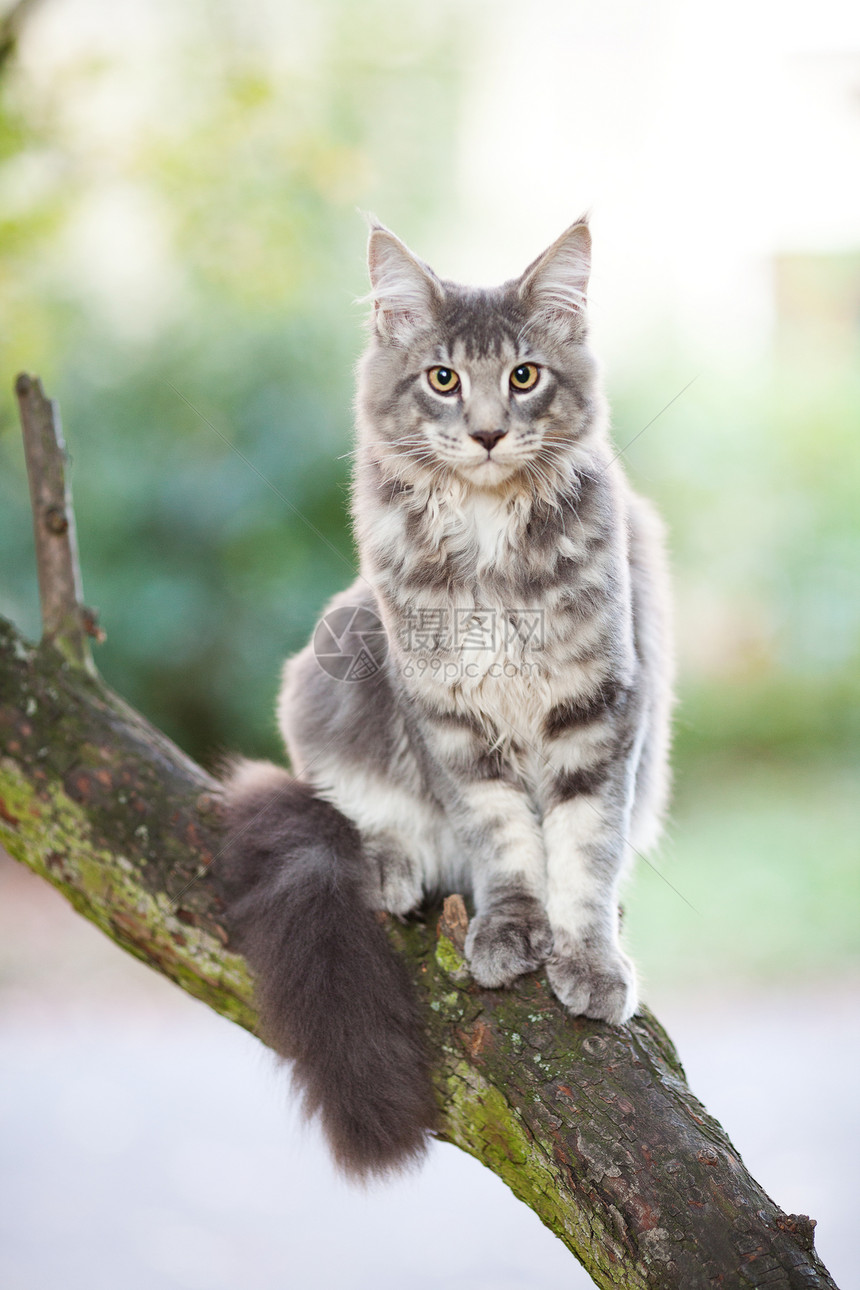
(510, 933)
(394, 877)
(585, 835)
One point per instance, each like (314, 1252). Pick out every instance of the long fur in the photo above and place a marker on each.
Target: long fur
(333, 997)
(512, 742)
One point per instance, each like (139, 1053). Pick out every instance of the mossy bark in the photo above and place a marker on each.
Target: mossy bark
(593, 1127)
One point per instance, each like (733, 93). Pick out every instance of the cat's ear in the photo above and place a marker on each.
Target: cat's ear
(555, 285)
(403, 290)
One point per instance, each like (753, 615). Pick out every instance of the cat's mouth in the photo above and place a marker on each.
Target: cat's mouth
(481, 463)
(489, 471)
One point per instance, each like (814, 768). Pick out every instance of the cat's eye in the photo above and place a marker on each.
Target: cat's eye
(525, 377)
(444, 380)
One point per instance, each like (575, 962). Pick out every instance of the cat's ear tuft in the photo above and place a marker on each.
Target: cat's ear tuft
(555, 285)
(404, 291)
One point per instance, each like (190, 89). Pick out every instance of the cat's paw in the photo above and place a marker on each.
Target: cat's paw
(394, 878)
(601, 985)
(508, 941)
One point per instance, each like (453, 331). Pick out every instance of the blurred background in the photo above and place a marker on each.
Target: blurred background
(180, 258)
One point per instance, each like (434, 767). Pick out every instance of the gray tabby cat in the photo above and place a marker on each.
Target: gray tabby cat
(509, 736)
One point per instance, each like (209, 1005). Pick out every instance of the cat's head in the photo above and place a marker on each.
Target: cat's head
(495, 386)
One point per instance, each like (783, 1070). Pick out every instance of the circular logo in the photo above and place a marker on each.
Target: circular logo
(350, 643)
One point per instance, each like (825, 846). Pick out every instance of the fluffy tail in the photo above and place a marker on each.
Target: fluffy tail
(332, 995)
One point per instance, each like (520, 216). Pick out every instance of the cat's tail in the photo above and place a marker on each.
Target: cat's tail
(332, 995)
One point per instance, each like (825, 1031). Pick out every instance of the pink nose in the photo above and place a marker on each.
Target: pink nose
(489, 438)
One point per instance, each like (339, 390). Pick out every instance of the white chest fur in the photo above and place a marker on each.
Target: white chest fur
(484, 523)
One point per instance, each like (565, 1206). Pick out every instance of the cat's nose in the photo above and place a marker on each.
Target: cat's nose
(489, 438)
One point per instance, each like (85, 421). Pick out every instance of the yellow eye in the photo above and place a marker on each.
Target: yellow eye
(444, 380)
(525, 377)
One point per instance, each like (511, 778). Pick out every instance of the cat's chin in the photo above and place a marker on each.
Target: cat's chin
(489, 475)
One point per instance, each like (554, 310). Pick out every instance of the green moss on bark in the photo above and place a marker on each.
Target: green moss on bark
(593, 1127)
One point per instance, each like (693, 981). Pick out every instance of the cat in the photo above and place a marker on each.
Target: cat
(485, 710)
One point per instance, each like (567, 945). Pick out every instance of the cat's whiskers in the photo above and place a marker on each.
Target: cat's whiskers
(528, 764)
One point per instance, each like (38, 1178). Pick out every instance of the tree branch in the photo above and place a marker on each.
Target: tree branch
(65, 621)
(593, 1127)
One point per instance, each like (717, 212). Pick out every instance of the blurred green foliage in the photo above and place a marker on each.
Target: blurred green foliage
(758, 880)
(760, 483)
(181, 258)
(209, 411)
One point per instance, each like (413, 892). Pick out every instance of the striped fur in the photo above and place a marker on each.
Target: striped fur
(513, 745)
